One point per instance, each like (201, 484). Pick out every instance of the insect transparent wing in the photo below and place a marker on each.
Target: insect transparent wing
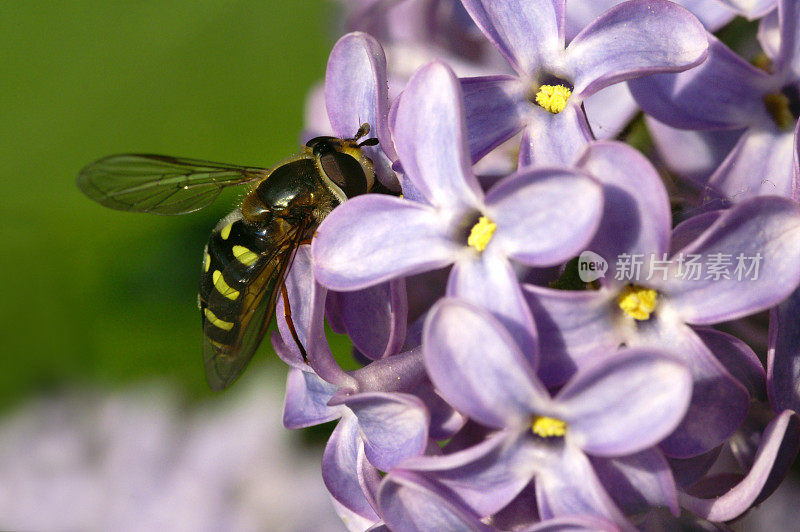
(224, 363)
(160, 184)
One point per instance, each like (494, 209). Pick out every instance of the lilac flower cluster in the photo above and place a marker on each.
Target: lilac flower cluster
(499, 388)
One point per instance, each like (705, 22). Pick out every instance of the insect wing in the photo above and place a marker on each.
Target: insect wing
(225, 362)
(160, 184)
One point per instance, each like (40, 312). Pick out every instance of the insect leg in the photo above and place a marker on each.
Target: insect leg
(287, 313)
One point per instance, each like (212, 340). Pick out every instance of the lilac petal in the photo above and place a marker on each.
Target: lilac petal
(694, 155)
(635, 39)
(636, 214)
(299, 288)
(492, 106)
(626, 404)
(340, 470)
(690, 230)
(410, 503)
(527, 32)
(641, 481)
(573, 327)
(477, 367)
(769, 35)
(567, 485)
(554, 139)
(738, 358)
(354, 521)
(788, 57)
(307, 302)
(356, 91)
(374, 318)
(288, 353)
(768, 226)
(306, 401)
(486, 476)
(783, 357)
(519, 513)
(393, 426)
(751, 9)
(333, 313)
(445, 420)
(580, 14)
(431, 138)
(374, 238)
(687, 471)
(712, 15)
(796, 164)
(489, 281)
(544, 216)
(759, 165)
(577, 523)
(610, 110)
(719, 402)
(399, 373)
(779, 445)
(685, 101)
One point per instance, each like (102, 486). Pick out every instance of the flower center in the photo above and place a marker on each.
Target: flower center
(637, 302)
(784, 107)
(481, 233)
(548, 427)
(553, 98)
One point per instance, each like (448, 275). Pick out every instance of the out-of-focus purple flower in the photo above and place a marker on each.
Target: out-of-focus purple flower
(728, 93)
(621, 407)
(141, 460)
(536, 217)
(630, 40)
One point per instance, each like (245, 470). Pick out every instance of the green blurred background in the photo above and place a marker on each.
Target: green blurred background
(98, 297)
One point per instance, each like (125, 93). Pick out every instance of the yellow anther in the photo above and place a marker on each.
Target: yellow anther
(548, 427)
(206, 261)
(222, 286)
(763, 62)
(244, 255)
(481, 233)
(637, 302)
(224, 325)
(778, 107)
(553, 98)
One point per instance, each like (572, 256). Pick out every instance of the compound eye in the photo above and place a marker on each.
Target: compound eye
(345, 171)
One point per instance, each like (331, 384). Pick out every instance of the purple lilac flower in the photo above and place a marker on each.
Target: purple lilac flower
(409, 502)
(540, 399)
(724, 497)
(612, 108)
(618, 408)
(575, 326)
(727, 93)
(713, 14)
(630, 40)
(536, 217)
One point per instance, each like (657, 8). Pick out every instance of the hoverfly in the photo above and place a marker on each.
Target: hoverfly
(250, 251)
